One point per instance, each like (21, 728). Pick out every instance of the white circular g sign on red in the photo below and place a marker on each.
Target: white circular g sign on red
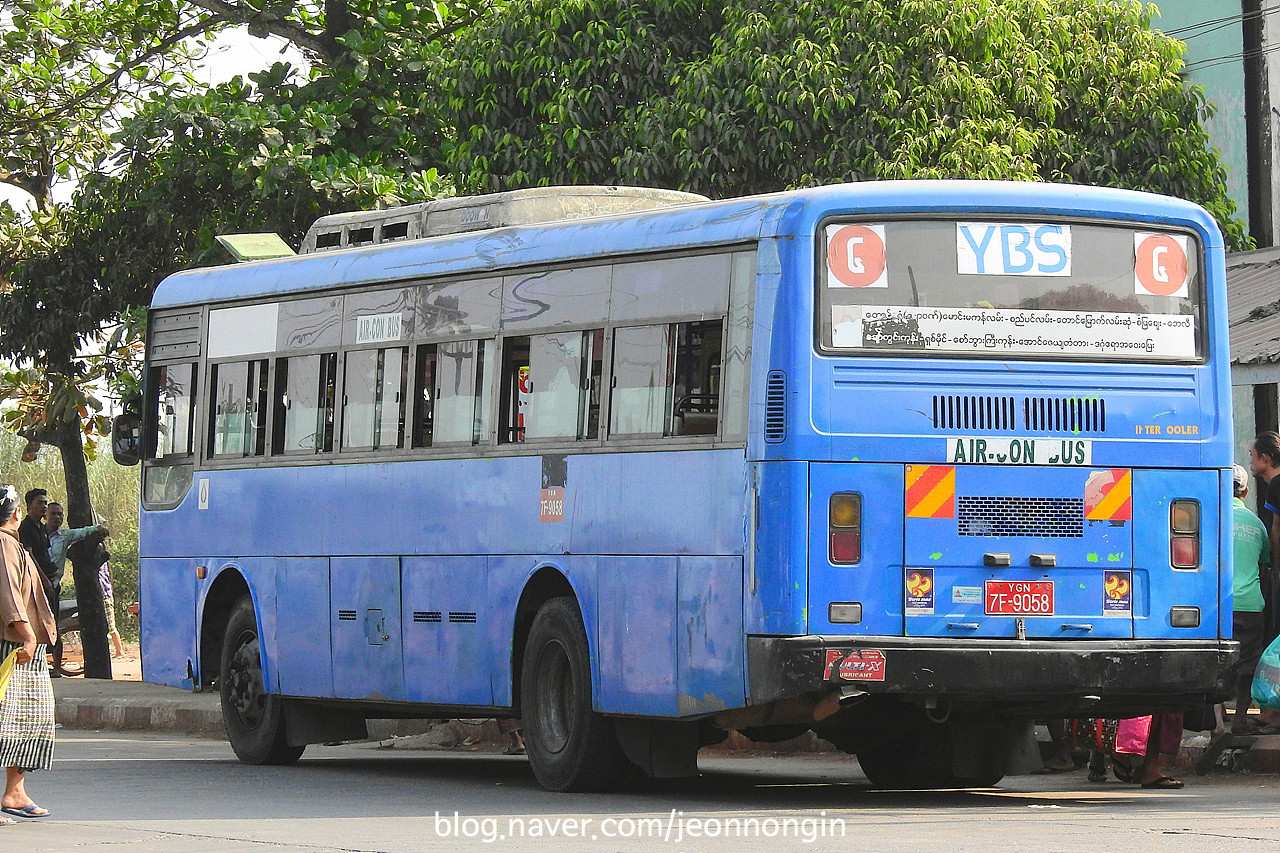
(1160, 264)
(855, 256)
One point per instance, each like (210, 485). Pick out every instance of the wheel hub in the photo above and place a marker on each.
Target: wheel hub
(245, 688)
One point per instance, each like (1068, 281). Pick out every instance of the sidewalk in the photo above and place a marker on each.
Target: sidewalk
(129, 704)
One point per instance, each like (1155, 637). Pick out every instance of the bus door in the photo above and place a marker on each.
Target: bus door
(365, 599)
(1017, 551)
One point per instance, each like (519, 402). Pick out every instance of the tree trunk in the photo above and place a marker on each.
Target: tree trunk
(84, 566)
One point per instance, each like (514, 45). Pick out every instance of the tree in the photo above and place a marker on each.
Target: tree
(762, 96)
(180, 166)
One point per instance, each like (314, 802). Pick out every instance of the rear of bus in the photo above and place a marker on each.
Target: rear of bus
(1009, 415)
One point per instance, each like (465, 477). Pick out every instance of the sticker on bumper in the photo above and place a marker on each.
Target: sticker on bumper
(857, 665)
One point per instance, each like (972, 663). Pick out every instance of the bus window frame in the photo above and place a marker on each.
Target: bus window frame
(261, 435)
(821, 348)
(340, 418)
(664, 439)
(488, 444)
(502, 412)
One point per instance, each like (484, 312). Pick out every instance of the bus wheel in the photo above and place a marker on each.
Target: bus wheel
(570, 746)
(254, 718)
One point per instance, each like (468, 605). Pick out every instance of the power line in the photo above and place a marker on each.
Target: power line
(1219, 23)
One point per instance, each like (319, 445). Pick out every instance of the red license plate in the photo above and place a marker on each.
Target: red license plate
(1019, 598)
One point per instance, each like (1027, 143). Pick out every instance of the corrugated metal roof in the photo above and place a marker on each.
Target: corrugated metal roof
(1253, 306)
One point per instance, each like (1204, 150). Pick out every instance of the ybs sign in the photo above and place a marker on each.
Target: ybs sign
(993, 248)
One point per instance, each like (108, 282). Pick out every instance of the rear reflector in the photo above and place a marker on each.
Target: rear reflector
(844, 612)
(1184, 617)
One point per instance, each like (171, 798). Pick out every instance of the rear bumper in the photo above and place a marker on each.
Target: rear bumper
(1030, 671)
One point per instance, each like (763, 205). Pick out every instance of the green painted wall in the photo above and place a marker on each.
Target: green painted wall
(1222, 81)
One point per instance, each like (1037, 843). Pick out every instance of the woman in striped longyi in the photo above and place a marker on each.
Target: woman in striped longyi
(26, 713)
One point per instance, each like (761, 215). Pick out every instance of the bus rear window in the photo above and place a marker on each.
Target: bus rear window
(1011, 289)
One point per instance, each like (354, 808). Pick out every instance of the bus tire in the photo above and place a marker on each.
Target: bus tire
(254, 718)
(570, 746)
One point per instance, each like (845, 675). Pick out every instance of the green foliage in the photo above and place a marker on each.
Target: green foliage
(743, 97)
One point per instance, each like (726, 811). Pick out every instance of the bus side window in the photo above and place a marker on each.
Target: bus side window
(551, 386)
(173, 409)
(424, 395)
(638, 401)
(373, 399)
(463, 379)
(696, 410)
(238, 425)
(304, 404)
(666, 379)
(516, 388)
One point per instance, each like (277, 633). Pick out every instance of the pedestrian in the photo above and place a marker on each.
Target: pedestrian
(511, 726)
(61, 539)
(33, 536)
(1264, 460)
(1141, 749)
(108, 601)
(26, 713)
(1252, 555)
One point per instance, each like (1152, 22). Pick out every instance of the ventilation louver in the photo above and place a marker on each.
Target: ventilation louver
(775, 407)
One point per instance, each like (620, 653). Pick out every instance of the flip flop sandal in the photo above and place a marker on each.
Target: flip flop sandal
(1163, 783)
(26, 811)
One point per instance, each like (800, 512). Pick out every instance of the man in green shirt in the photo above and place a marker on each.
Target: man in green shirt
(1248, 625)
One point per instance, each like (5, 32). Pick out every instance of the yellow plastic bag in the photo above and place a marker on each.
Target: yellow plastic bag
(6, 670)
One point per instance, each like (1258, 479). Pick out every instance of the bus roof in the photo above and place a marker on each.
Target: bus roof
(796, 212)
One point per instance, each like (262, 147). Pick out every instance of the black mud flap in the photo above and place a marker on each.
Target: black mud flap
(663, 749)
(305, 723)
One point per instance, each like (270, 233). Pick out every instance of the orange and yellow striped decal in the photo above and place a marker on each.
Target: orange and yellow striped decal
(931, 491)
(1113, 500)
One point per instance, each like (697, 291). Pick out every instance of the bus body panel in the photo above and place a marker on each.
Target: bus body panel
(875, 581)
(623, 502)
(167, 594)
(303, 647)
(364, 613)
(777, 596)
(449, 645)
(1159, 584)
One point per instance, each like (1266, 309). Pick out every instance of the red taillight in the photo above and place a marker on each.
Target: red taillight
(846, 546)
(844, 526)
(1184, 534)
(1185, 552)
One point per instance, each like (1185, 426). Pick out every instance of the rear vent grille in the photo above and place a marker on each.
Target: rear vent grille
(426, 616)
(1069, 414)
(1045, 518)
(775, 407)
(973, 412)
(346, 616)
(455, 616)
(1039, 414)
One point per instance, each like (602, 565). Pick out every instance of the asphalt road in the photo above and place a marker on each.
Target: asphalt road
(170, 794)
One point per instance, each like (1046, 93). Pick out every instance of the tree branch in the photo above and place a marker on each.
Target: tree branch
(296, 35)
(111, 79)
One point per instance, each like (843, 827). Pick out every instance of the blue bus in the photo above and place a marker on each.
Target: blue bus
(908, 464)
